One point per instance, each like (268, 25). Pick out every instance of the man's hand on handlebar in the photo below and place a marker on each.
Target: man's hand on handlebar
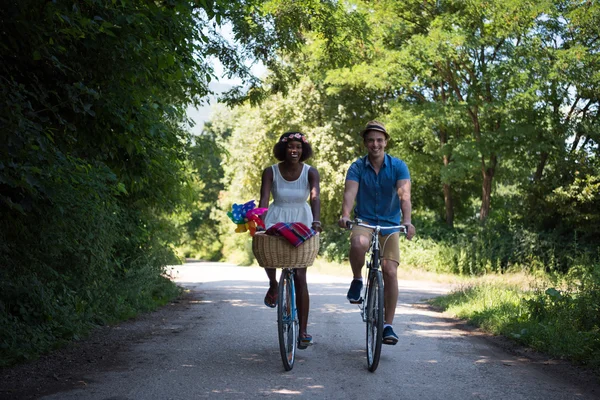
(410, 231)
(343, 222)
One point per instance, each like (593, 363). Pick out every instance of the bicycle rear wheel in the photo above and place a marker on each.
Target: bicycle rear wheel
(287, 321)
(374, 315)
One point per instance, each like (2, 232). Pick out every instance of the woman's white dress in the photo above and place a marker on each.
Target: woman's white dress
(289, 199)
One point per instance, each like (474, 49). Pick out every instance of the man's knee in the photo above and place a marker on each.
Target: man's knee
(390, 269)
(359, 243)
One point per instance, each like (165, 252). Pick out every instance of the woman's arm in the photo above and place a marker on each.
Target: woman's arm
(265, 189)
(315, 199)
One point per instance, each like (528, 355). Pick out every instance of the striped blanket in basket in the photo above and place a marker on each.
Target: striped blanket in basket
(294, 232)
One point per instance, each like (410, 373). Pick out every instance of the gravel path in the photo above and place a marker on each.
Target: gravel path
(220, 341)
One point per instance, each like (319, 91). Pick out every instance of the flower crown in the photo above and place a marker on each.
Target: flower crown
(293, 136)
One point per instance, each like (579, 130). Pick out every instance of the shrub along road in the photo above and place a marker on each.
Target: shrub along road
(220, 341)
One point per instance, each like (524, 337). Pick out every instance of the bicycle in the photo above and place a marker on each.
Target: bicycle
(371, 306)
(287, 318)
(276, 252)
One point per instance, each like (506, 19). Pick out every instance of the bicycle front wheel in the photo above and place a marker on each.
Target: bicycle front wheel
(374, 316)
(287, 321)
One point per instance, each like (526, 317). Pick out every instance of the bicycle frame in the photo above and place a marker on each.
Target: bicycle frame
(373, 261)
(291, 272)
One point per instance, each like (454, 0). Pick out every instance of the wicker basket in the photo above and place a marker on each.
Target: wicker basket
(276, 252)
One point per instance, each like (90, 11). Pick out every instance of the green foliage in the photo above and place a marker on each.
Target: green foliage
(199, 220)
(561, 322)
(96, 171)
(335, 244)
(493, 111)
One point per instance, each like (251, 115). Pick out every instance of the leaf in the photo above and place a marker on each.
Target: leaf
(555, 294)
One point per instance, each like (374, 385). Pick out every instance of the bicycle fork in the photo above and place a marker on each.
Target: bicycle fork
(365, 296)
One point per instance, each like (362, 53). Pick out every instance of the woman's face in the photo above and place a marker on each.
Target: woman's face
(293, 151)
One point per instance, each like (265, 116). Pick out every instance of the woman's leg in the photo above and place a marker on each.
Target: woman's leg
(271, 296)
(302, 299)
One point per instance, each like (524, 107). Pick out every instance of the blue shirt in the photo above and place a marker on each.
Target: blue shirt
(377, 201)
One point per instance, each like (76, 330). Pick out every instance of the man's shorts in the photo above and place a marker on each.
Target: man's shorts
(389, 244)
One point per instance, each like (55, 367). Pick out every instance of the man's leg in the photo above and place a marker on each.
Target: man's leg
(391, 258)
(359, 244)
(390, 285)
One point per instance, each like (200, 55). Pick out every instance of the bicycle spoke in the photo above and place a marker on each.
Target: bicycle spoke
(374, 315)
(287, 323)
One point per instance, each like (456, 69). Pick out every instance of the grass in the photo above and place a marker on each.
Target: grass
(560, 322)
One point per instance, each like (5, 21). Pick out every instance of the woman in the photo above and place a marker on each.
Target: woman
(292, 182)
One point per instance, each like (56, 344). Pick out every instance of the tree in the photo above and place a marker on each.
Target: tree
(95, 158)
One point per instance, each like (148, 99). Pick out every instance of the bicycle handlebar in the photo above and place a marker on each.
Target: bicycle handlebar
(359, 222)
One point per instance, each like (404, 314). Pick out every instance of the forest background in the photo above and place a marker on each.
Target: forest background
(494, 105)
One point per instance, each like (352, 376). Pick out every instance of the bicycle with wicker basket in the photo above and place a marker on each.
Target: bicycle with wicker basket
(276, 252)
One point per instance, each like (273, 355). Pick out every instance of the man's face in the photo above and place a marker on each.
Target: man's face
(375, 142)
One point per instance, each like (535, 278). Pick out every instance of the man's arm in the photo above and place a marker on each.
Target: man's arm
(403, 189)
(350, 191)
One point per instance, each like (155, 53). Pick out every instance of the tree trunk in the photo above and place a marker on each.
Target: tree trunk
(540, 168)
(448, 201)
(486, 187)
(449, 204)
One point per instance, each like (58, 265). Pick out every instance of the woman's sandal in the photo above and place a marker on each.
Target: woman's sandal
(305, 341)
(271, 299)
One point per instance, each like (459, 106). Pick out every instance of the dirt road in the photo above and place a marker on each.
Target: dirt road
(221, 342)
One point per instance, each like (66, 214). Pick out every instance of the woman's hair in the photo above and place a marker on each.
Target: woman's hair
(280, 147)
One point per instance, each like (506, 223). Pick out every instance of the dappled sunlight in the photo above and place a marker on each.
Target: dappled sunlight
(252, 358)
(427, 291)
(436, 333)
(241, 303)
(226, 391)
(436, 324)
(435, 329)
(408, 309)
(423, 322)
(308, 390)
(335, 308)
(504, 361)
(285, 391)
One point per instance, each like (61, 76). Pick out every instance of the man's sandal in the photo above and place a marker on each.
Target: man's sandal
(271, 299)
(305, 341)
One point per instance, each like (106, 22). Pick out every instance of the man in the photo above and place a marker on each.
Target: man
(380, 184)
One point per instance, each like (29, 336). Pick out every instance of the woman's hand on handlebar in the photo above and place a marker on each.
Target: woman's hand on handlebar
(316, 225)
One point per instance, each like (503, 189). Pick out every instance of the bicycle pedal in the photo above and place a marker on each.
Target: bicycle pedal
(359, 301)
